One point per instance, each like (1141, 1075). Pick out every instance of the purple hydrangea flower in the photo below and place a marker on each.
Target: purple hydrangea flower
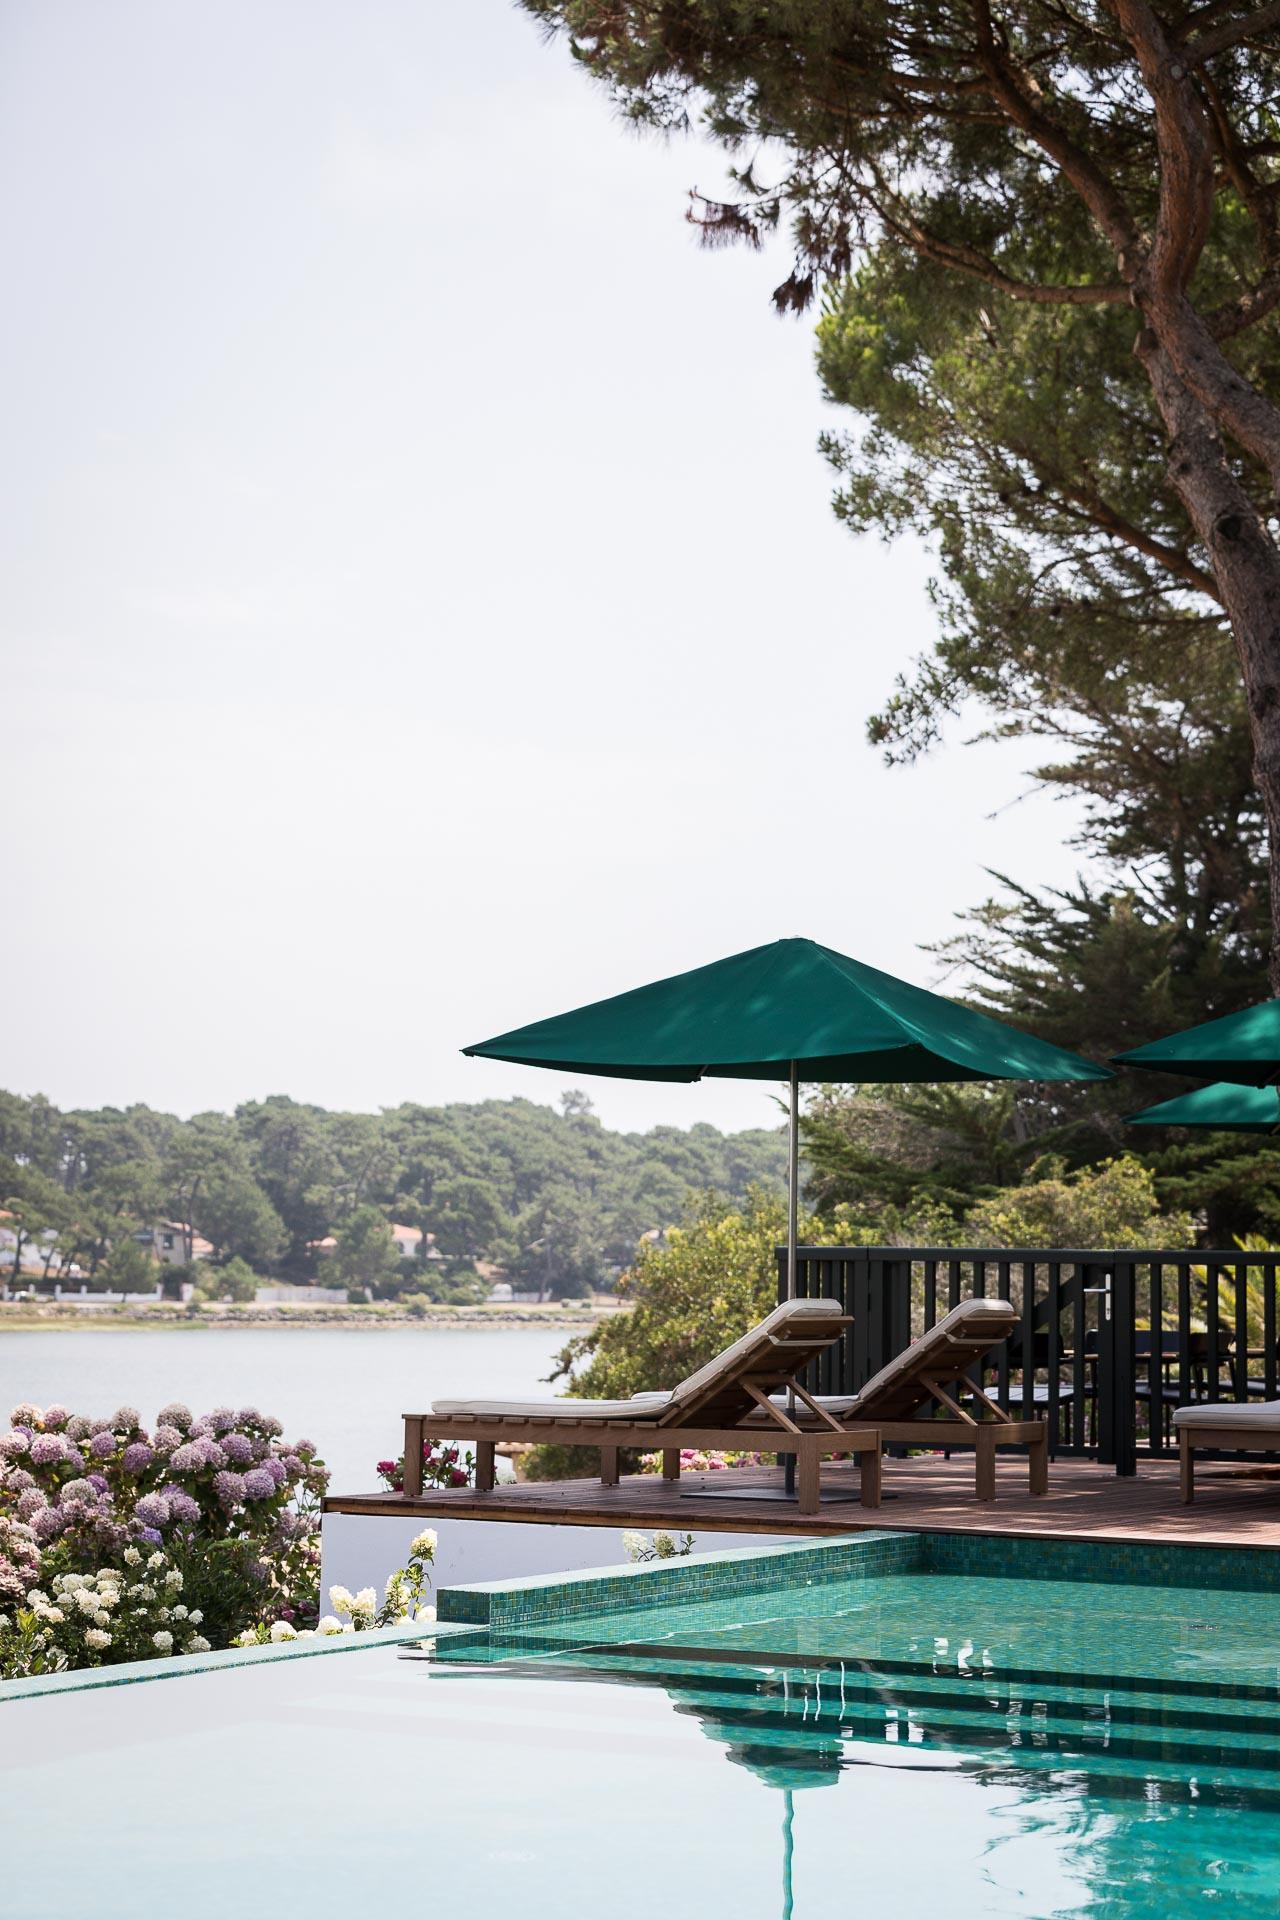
(188, 1458)
(229, 1488)
(30, 1503)
(248, 1417)
(48, 1448)
(238, 1449)
(174, 1415)
(212, 1454)
(276, 1469)
(98, 1483)
(152, 1510)
(79, 1493)
(55, 1417)
(222, 1419)
(26, 1415)
(199, 1428)
(78, 1428)
(181, 1506)
(100, 1426)
(292, 1465)
(124, 1419)
(13, 1445)
(103, 1444)
(137, 1457)
(48, 1524)
(305, 1449)
(17, 1479)
(258, 1484)
(167, 1438)
(152, 1538)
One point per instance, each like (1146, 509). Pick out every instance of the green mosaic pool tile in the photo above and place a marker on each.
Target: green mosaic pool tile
(701, 1577)
(1110, 1562)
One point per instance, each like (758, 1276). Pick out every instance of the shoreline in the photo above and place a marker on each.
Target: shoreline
(23, 1319)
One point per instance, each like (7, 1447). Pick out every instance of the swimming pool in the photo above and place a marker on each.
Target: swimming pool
(850, 1739)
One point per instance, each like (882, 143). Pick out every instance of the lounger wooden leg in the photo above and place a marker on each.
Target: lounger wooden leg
(869, 1473)
(985, 1453)
(671, 1463)
(484, 1466)
(1038, 1452)
(808, 1480)
(413, 1426)
(1186, 1467)
(608, 1466)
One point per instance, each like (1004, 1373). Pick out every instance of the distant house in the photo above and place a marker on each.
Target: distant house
(166, 1242)
(409, 1243)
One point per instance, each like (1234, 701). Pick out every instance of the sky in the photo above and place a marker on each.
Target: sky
(421, 609)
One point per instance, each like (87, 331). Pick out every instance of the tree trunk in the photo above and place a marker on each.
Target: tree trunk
(1246, 565)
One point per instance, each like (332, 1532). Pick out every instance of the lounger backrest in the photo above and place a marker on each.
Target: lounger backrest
(770, 1355)
(945, 1353)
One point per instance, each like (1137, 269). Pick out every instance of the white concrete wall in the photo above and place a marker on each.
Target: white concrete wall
(360, 1550)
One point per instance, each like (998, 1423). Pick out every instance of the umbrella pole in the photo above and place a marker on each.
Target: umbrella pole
(793, 1182)
(793, 1230)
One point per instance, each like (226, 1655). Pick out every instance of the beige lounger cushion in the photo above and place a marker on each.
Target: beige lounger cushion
(980, 1322)
(790, 1314)
(644, 1406)
(1261, 1414)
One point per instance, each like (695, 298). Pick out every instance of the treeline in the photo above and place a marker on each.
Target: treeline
(554, 1198)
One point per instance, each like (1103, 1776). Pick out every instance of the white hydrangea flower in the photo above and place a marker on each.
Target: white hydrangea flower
(283, 1630)
(195, 1616)
(86, 1599)
(425, 1542)
(97, 1639)
(163, 1640)
(425, 1616)
(155, 1562)
(341, 1600)
(634, 1544)
(102, 1618)
(363, 1605)
(197, 1644)
(132, 1557)
(328, 1625)
(173, 1579)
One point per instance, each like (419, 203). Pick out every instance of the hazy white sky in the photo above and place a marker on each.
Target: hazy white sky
(422, 610)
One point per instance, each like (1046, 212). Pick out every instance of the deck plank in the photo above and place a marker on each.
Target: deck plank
(1234, 1506)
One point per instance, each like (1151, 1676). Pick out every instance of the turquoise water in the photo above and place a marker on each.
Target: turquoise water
(889, 1747)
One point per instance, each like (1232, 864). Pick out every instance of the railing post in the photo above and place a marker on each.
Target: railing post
(1125, 1368)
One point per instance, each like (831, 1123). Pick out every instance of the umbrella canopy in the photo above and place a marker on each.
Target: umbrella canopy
(1242, 1047)
(1231, 1109)
(793, 1003)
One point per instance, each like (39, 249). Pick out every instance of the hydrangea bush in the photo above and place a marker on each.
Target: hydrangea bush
(231, 1506)
(132, 1612)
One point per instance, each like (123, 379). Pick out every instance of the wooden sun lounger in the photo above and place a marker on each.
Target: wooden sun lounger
(709, 1409)
(935, 1369)
(1236, 1426)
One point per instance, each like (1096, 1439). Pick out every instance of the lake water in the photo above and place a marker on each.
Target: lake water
(344, 1388)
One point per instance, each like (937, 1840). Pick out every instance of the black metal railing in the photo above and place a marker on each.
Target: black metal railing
(1108, 1343)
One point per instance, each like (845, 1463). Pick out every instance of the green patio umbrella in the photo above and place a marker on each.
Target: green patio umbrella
(789, 1011)
(1228, 1108)
(1241, 1047)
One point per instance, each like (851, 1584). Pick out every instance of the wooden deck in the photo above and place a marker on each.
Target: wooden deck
(1235, 1506)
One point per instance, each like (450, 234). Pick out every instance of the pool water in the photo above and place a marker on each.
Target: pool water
(885, 1746)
